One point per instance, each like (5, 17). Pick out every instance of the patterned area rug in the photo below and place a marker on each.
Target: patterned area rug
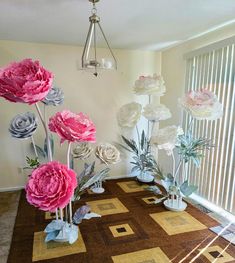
(131, 230)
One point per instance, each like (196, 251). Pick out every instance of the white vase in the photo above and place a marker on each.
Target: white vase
(145, 177)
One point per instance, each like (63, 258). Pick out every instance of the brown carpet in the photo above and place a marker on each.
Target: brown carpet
(131, 230)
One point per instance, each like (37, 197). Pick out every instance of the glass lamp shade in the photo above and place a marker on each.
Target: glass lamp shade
(92, 61)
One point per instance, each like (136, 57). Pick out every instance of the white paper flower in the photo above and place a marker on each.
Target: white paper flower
(107, 153)
(23, 126)
(54, 97)
(202, 105)
(82, 151)
(166, 138)
(129, 114)
(154, 112)
(148, 85)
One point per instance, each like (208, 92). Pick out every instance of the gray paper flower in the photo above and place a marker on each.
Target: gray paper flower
(54, 97)
(23, 125)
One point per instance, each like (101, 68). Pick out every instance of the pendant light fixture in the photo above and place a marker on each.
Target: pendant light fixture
(91, 60)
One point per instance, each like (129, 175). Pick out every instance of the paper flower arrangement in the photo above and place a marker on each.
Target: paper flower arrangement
(51, 186)
(72, 127)
(129, 114)
(25, 81)
(107, 153)
(54, 97)
(202, 105)
(82, 151)
(167, 138)
(156, 112)
(149, 85)
(23, 126)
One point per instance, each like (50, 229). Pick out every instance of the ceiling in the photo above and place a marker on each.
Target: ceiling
(129, 24)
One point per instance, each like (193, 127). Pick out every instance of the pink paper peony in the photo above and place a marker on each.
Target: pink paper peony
(51, 186)
(25, 81)
(202, 105)
(73, 127)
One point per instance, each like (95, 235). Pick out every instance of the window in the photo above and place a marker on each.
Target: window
(213, 67)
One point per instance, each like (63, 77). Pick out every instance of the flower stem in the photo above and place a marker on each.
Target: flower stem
(149, 96)
(173, 168)
(68, 165)
(178, 167)
(46, 132)
(34, 147)
(138, 134)
(68, 154)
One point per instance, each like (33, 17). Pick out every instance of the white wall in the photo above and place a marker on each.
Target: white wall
(173, 70)
(99, 97)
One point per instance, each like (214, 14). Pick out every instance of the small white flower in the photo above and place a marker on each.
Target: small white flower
(202, 105)
(129, 114)
(154, 112)
(107, 153)
(148, 85)
(82, 151)
(166, 138)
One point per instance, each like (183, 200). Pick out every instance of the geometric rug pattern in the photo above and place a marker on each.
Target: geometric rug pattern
(42, 250)
(131, 186)
(152, 255)
(216, 254)
(107, 206)
(132, 229)
(177, 222)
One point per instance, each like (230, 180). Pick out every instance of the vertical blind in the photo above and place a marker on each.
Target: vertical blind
(213, 68)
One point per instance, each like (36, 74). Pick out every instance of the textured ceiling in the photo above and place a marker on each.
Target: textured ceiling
(139, 24)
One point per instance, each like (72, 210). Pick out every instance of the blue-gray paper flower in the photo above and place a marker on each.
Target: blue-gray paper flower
(23, 125)
(54, 97)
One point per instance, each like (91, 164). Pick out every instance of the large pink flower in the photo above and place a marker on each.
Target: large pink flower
(51, 186)
(202, 105)
(73, 127)
(25, 81)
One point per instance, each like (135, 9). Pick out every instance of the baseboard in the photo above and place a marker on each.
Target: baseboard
(17, 188)
(118, 177)
(11, 189)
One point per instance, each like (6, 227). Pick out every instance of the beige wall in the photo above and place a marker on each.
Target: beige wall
(99, 97)
(173, 71)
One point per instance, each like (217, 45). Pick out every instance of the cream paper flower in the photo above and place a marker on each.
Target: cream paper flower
(166, 138)
(129, 114)
(82, 151)
(202, 105)
(148, 85)
(154, 112)
(107, 153)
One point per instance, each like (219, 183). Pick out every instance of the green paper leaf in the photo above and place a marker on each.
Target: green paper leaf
(187, 189)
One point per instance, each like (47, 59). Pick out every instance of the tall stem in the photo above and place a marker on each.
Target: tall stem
(173, 168)
(178, 167)
(68, 165)
(148, 120)
(138, 134)
(34, 146)
(46, 132)
(68, 155)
